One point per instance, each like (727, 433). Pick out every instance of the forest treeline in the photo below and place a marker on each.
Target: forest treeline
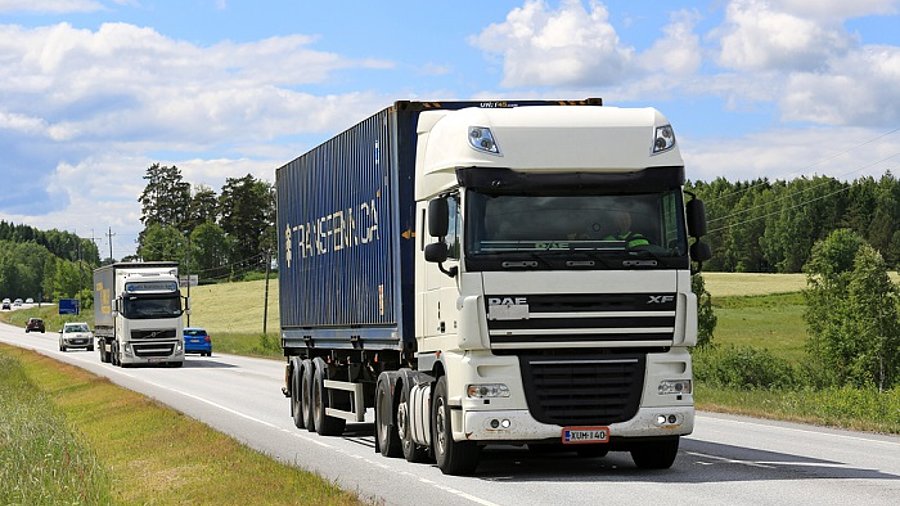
(44, 265)
(771, 226)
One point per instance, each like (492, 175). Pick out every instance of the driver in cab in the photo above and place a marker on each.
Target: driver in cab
(621, 222)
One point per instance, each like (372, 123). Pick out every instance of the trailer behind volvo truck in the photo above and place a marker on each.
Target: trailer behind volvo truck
(492, 272)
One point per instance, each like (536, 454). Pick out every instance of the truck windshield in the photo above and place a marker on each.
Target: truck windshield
(575, 231)
(155, 306)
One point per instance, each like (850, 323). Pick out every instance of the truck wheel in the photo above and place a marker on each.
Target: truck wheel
(412, 452)
(388, 438)
(455, 458)
(656, 455)
(325, 425)
(296, 412)
(306, 395)
(113, 354)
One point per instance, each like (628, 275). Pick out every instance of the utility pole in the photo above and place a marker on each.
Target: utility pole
(266, 296)
(188, 269)
(110, 235)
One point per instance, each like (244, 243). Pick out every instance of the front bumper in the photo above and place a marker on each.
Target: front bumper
(523, 427)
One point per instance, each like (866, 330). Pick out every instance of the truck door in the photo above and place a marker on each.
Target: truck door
(440, 291)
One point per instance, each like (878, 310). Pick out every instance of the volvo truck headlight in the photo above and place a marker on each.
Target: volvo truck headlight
(482, 139)
(487, 390)
(664, 139)
(675, 387)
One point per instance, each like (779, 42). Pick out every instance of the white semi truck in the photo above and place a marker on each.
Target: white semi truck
(493, 273)
(138, 313)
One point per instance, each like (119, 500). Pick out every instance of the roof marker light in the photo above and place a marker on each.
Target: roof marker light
(664, 139)
(482, 139)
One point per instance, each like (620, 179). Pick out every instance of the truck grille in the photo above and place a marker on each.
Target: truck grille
(583, 390)
(581, 320)
(154, 334)
(153, 350)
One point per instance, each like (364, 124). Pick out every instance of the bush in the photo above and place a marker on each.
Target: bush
(744, 367)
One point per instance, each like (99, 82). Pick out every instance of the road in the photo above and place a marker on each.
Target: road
(728, 460)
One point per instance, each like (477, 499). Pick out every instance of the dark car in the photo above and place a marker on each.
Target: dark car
(197, 340)
(34, 325)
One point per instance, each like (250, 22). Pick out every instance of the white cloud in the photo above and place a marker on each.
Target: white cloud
(566, 46)
(678, 52)
(50, 6)
(843, 153)
(860, 88)
(832, 10)
(755, 36)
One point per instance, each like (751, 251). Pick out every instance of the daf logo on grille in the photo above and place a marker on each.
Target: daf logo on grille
(660, 299)
(507, 301)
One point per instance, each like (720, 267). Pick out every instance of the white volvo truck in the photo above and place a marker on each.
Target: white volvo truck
(513, 272)
(138, 313)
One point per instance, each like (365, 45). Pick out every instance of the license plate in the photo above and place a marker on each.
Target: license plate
(155, 359)
(585, 435)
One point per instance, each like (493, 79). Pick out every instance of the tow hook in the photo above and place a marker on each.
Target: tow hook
(285, 392)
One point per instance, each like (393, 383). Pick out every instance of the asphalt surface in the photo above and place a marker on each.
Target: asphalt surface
(728, 460)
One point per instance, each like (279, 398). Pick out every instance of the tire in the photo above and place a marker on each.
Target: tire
(103, 358)
(62, 348)
(659, 455)
(386, 434)
(90, 348)
(325, 425)
(412, 451)
(296, 412)
(453, 457)
(306, 395)
(176, 364)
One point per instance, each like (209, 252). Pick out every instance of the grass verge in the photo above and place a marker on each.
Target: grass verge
(846, 407)
(143, 452)
(42, 460)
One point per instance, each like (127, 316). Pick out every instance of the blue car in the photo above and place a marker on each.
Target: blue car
(197, 340)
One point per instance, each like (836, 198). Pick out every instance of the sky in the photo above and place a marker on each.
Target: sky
(93, 92)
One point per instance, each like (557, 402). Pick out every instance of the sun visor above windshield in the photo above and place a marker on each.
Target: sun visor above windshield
(509, 182)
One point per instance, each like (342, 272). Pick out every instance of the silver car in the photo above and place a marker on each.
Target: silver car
(76, 335)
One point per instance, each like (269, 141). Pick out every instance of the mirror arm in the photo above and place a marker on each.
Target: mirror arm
(452, 272)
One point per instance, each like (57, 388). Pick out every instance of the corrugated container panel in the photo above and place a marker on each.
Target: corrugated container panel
(337, 226)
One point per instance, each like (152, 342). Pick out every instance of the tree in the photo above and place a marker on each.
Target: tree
(204, 207)
(162, 242)
(706, 318)
(852, 311)
(210, 248)
(247, 209)
(166, 197)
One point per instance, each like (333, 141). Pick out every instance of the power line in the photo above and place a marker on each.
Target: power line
(819, 162)
(799, 192)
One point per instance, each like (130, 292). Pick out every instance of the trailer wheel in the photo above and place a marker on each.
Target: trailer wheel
(325, 425)
(296, 412)
(453, 457)
(659, 455)
(386, 434)
(306, 395)
(412, 452)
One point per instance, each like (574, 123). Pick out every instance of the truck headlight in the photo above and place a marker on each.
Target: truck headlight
(487, 390)
(664, 139)
(482, 139)
(178, 345)
(675, 387)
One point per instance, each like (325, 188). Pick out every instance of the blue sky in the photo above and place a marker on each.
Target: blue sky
(92, 92)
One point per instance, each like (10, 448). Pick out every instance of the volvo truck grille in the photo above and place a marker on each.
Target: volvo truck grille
(153, 350)
(154, 334)
(582, 320)
(584, 389)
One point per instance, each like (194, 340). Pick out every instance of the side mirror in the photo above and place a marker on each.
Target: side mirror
(114, 306)
(436, 252)
(438, 217)
(696, 218)
(187, 305)
(700, 251)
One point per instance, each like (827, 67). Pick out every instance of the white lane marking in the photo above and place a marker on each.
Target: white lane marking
(806, 431)
(730, 461)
